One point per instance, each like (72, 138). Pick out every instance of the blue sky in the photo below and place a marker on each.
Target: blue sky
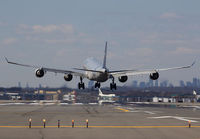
(61, 34)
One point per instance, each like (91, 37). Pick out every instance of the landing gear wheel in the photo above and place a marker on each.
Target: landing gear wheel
(97, 85)
(113, 86)
(81, 84)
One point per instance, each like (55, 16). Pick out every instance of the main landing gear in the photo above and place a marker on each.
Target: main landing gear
(113, 85)
(97, 85)
(81, 84)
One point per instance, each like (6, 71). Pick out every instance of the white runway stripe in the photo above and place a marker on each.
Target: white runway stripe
(149, 112)
(176, 117)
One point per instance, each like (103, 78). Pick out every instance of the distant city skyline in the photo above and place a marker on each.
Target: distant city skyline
(195, 82)
(165, 83)
(61, 34)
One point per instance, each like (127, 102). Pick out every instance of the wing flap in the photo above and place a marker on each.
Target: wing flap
(64, 72)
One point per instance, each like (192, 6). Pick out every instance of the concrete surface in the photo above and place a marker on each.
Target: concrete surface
(107, 121)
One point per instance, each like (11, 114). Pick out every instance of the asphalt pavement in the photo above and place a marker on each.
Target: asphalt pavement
(106, 121)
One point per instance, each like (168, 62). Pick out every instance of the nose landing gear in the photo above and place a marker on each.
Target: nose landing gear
(113, 85)
(97, 85)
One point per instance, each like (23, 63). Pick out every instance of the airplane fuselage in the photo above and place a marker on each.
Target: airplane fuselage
(93, 64)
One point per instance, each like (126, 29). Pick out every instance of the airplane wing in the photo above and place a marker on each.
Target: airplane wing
(49, 69)
(141, 72)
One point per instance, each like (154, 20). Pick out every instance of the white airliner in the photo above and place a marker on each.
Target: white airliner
(105, 95)
(95, 71)
(106, 98)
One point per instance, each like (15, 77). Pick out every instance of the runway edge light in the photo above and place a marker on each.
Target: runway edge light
(72, 123)
(86, 123)
(58, 123)
(189, 124)
(30, 120)
(44, 123)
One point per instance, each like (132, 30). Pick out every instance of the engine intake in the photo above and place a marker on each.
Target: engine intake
(154, 76)
(68, 77)
(39, 73)
(123, 79)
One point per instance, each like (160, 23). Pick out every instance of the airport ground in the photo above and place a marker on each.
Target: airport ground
(105, 121)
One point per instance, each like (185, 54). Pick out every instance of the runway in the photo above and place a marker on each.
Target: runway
(109, 121)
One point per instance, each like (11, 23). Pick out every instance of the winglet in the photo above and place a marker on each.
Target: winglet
(6, 59)
(193, 63)
(10, 62)
(100, 92)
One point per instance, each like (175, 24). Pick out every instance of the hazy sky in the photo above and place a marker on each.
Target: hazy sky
(141, 34)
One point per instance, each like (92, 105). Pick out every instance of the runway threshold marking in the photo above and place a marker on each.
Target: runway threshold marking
(122, 109)
(100, 127)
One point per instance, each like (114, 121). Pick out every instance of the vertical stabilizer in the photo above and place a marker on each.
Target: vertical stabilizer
(194, 92)
(100, 92)
(105, 55)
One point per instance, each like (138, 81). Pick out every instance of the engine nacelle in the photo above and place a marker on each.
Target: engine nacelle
(123, 79)
(39, 73)
(154, 76)
(68, 77)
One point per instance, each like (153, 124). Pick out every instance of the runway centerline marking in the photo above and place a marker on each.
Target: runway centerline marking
(132, 110)
(122, 109)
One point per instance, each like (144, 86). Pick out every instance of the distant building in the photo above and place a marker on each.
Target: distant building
(27, 85)
(135, 83)
(195, 82)
(49, 95)
(156, 83)
(40, 86)
(19, 85)
(142, 85)
(188, 84)
(174, 99)
(164, 83)
(70, 97)
(162, 99)
(90, 84)
(181, 83)
(171, 85)
(150, 84)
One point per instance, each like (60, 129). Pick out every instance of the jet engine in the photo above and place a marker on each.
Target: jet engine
(39, 73)
(68, 77)
(123, 79)
(154, 76)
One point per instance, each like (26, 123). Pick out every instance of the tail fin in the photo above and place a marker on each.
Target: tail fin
(105, 55)
(100, 92)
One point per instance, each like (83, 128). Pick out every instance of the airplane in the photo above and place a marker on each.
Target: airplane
(95, 71)
(106, 98)
(105, 95)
